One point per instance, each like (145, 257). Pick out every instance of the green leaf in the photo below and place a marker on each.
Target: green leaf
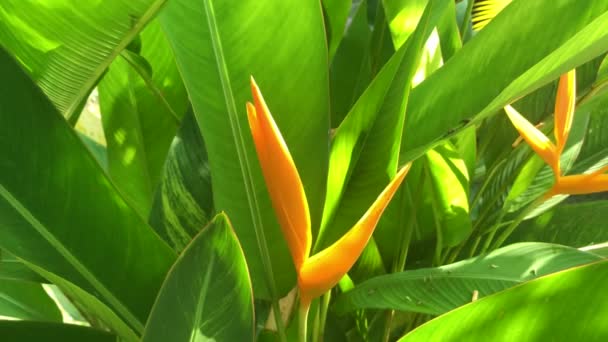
(27, 301)
(19, 331)
(572, 224)
(449, 34)
(218, 46)
(364, 151)
(12, 268)
(184, 201)
(142, 100)
(207, 295)
(438, 290)
(66, 45)
(336, 15)
(546, 52)
(449, 178)
(402, 17)
(61, 215)
(350, 71)
(382, 48)
(564, 306)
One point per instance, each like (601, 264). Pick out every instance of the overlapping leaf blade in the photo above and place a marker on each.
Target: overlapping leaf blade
(142, 100)
(86, 237)
(554, 49)
(539, 310)
(66, 45)
(438, 290)
(207, 295)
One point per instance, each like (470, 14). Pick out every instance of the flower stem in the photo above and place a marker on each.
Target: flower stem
(303, 320)
(321, 318)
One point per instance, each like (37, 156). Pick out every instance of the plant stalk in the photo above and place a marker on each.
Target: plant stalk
(303, 321)
(511, 228)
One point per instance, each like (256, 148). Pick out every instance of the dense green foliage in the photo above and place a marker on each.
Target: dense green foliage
(132, 199)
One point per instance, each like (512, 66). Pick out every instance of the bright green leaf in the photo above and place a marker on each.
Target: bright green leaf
(207, 296)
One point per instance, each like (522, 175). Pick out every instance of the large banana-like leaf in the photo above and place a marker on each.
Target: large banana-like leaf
(565, 306)
(142, 100)
(438, 290)
(539, 52)
(66, 45)
(61, 215)
(207, 296)
(218, 46)
(20, 331)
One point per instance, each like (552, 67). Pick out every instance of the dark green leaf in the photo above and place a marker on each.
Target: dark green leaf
(61, 215)
(350, 71)
(22, 331)
(27, 301)
(184, 201)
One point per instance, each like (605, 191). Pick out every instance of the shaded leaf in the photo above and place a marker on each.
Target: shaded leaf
(184, 201)
(19, 331)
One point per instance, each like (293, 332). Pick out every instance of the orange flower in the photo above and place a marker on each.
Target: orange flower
(317, 274)
(549, 152)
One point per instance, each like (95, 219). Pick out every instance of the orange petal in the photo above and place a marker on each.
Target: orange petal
(564, 108)
(535, 138)
(581, 184)
(323, 270)
(282, 178)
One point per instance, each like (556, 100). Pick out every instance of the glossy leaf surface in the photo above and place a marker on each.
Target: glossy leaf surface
(207, 294)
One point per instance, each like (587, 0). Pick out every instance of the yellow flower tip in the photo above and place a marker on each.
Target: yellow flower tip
(535, 139)
(581, 184)
(324, 270)
(565, 103)
(282, 179)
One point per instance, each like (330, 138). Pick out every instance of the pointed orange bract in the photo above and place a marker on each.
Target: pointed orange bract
(324, 270)
(535, 138)
(564, 108)
(319, 273)
(281, 177)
